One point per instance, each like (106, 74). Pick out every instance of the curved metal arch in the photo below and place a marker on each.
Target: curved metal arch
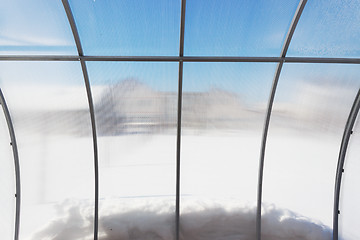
(288, 38)
(341, 160)
(91, 109)
(16, 163)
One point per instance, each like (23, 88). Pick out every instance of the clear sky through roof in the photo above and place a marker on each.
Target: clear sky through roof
(130, 27)
(328, 28)
(237, 28)
(37, 27)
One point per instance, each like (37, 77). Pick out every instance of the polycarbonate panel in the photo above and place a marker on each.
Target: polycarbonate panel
(136, 106)
(128, 27)
(35, 28)
(48, 104)
(223, 111)
(350, 194)
(237, 28)
(311, 106)
(328, 28)
(7, 182)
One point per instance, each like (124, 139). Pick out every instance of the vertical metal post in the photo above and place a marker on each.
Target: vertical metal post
(178, 139)
(91, 109)
(288, 38)
(16, 163)
(178, 144)
(341, 160)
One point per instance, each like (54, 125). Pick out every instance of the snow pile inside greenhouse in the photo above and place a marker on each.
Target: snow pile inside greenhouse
(211, 222)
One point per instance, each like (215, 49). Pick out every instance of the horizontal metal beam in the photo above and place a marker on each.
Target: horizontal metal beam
(178, 59)
(38, 58)
(321, 60)
(181, 58)
(133, 58)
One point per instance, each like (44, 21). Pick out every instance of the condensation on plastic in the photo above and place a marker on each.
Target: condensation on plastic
(327, 28)
(350, 194)
(49, 109)
(310, 110)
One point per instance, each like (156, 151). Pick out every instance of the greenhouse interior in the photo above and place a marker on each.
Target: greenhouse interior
(179, 119)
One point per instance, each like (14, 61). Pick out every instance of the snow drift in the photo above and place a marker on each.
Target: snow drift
(151, 222)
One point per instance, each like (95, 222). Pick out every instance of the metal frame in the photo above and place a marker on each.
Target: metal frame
(341, 160)
(178, 148)
(16, 164)
(288, 38)
(178, 135)
(91, 109)
(181, 59)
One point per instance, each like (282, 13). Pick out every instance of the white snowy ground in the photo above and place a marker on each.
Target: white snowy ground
(218, 187)
(125, 220)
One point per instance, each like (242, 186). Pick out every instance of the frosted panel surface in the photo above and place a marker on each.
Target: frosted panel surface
(49, 107)
(7, 182)
(222, 117)
(311, 107)
(237, 28)
(136, 105)
(128, 27)
(35, 27)
(350, 193)
(328, 28)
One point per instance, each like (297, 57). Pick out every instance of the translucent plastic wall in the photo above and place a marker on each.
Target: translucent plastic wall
(49, 112)
(221, 134)
(310, 111)
(179, 120)
(135, 112)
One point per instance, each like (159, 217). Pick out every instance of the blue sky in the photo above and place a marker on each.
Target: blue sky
(328, 28)
(237, 28)
(251, 79)
(151, 27)
(143, 27)
(294, 76)
(35, 27)
(128, 27)
(158, 75)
